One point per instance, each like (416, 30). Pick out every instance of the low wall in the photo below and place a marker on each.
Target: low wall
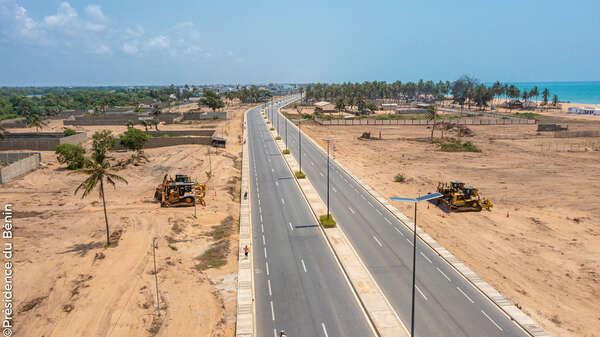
(195, 116)
(171, 141)
(19, 163)
(39, 141)
(342, 122)
(14, 123)
(180, 133)
(120, 119)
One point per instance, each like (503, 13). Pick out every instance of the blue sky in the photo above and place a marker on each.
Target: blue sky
(135, 42)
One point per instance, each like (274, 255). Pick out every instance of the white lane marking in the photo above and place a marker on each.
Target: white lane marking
(291, 227)
(267, 264)
(303, 265)
(265, 249)
(334, 189)
(370, 204)
(420, 292)
(321, 173)
(259, 210)
(274, 332)
(351, 210)
(355, 190)
(272, 170)
(465, 295)
(345, 180)
(269, 283)
(324, 330)
(276, 184)
(261, 218)
(426, 258)
(262, 228)
(282, 201)
(388, 221)
(362, 196)
(441, 272)
(379, 243)
(264, 243)
(258, 202)
(398, 230)
(378, 211)
(409, 241)
(272, 311)
(491, 320)
(313, 164)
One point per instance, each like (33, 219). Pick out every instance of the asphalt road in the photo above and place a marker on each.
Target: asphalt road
(298, 284)
(446, 304)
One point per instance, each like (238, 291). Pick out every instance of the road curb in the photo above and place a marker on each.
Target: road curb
(521, 319)
(245, 316)
(378, 309)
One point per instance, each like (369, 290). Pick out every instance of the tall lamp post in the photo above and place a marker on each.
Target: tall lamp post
(417, 200)
(299, 121)
(328, 140)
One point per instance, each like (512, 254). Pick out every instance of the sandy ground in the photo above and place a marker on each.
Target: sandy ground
(70, 285)
(539, 246)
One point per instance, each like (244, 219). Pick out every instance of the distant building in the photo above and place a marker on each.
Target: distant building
(588, 110)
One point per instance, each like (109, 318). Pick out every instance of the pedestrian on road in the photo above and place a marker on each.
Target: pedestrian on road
(246, 250)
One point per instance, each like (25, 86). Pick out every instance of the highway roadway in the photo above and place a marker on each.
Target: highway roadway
(299, 286)
(446, 303)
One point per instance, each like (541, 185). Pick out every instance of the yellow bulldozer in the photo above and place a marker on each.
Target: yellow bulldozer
(179, 192)
(457, 197)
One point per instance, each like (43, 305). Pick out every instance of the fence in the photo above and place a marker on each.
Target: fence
(120, 119)
(18, 163)
(342, 122)
(47, 141)
(575, 134)
(204, 115)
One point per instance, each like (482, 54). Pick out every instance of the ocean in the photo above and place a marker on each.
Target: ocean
(573, 92)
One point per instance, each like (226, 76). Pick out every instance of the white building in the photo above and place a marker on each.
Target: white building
(588, 110)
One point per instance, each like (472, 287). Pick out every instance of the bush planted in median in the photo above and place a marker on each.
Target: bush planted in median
(327, 222)
(300, 175)
(272, 129)
(286, 151)
(278, 138)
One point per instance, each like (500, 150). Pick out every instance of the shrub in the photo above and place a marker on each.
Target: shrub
(326, 221)
(103, 142)
(286, 151)
(71, 154)
(300, 175)
(133, 139)
(278, 138)
(272, 129)
(455, 145)
(69, 132)
(268, 122)
(399, 178)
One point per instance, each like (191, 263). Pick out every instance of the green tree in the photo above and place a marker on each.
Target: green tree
(156, 110)
(146, 124)
(103, 142)
(129, 124)
(340, 105)
(134, 139)
(35, 121)
(431, 114)
(155, 122)
(72, 155)
(555, 100)
(545, 95)
(212, 100)
(98, 172)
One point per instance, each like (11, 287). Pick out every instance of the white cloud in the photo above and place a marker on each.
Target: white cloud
(129, 48)
(159, 41)
(95, 13)
(101, 49)
(66, 15)
(137, 31)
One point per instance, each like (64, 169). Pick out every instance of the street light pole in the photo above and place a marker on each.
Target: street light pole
(299, 121)
(414, 268)
(328, 140)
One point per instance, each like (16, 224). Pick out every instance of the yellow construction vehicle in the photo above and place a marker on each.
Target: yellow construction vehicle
(179, 192)
(457, 197)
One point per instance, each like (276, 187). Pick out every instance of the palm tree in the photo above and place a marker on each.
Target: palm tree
(156, 110)
(545, 95)
(34, 121)
(97, 172)
(431, 115)
(146, 124)
(129, 124)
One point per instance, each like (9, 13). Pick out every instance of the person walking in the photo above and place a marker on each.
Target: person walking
(246, 250)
